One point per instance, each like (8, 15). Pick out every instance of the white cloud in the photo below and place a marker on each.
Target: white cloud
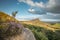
(36, 11)
(27, 17)
(41, 4)
(51, 6)
(31, 3)
(50, 20)
(31, 10)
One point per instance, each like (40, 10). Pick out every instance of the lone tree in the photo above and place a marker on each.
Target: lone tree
(14, 13)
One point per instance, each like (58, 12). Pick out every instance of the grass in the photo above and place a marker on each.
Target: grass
(43, 34)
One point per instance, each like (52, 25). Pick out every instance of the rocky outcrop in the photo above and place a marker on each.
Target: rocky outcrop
(15, 31)
(28, 35)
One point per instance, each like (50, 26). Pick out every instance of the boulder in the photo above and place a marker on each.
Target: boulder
(28, 35)
(15, 31)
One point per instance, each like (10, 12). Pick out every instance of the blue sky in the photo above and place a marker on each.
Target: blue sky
(31, 9)
(12, 5)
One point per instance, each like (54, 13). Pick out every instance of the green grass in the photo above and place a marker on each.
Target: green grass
(43, 34)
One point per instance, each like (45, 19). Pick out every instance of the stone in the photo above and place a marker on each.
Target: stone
(28, 35)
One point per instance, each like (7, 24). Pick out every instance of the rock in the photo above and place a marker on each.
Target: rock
(15, 31)
(28, 35)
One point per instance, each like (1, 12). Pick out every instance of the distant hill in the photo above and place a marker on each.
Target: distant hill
(37, 22)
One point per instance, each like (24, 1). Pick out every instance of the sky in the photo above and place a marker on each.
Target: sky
(45, 10)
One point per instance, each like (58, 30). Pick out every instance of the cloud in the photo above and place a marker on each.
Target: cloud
(31, 10)
(27, 17)
(51, 6)
(31, 3)
(36, 11)
(50, 16)
(50, 20)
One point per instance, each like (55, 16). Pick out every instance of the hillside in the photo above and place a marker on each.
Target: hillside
(7, 22)
(57, 25)
(37, 22)
(12, 29)
(41, 33)
(5, 17)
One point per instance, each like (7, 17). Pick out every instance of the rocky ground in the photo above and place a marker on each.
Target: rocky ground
(15, 31)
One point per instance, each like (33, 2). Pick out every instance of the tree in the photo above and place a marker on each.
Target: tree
(14, 13)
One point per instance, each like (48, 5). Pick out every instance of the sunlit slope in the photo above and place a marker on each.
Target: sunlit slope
(37, 22)
(6, 18)
(57, 26)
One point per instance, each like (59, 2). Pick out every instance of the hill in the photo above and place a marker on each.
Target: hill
(12, 29)
(37, 22)
(41, 33)
(5, 17)
(6, 22)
